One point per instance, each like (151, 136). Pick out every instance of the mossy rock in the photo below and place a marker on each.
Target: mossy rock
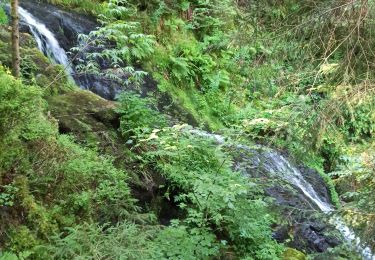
(35, 67)
(90, 118)
(293, 254)
(26, 42)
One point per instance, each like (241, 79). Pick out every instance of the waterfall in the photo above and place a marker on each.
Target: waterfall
(277, 165)
(45, 39)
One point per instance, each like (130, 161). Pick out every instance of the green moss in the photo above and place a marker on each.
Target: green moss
(38, 217)
(21, 239)
(293, 254)
(91, 119)
(89, 6)
(192, 103)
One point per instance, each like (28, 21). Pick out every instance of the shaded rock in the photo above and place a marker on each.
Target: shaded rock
(308, 238)
(303, 226)
(90, 118)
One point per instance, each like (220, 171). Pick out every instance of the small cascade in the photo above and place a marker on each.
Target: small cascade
(277, 165)
(45, 39)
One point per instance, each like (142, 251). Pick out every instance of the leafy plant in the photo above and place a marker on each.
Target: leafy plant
(7, 195)
(214, 198)
(3, 15)
(138, 116)
(121, 44)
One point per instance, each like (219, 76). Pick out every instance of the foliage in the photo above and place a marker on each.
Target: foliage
(130, 241)
(197, 243)
(47, 180)
(89, 6)
(130, 46)
(137, 115)
(355, 181)
(125, 240)
(3, 16)
(297, 75)
(22, 118)
(202, 183)
(7, 195)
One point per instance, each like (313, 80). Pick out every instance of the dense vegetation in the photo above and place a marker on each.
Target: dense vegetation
(295, 75)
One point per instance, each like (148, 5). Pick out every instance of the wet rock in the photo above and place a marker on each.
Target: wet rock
(65, 24)
(304, 226)
(288, 197)
(281, 234)
(317, 226)
(313, 239)
(313, 177)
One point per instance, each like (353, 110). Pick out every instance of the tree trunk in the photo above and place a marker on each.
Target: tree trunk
(15, 39)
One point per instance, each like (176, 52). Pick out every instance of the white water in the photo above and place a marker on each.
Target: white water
(290, 173)
(294, 176)
(45, 39)
(276, 164)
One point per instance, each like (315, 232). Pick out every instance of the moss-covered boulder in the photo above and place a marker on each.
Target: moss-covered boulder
(90, 118)
(293, 254)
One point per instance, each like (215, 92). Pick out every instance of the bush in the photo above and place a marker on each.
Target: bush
(3, 16)
(138, 115)
(214, 198)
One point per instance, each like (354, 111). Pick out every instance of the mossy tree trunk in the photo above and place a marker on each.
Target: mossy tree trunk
(15, 39)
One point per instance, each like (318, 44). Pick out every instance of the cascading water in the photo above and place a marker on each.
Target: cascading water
(45, 39)
(277, 165)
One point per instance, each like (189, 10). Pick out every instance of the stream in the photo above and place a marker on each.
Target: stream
(250, 160)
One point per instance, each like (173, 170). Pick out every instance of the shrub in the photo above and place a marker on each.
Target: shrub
(138, 115)
(214, 198)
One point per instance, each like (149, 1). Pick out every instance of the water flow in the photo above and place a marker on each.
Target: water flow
(276, 164)
(279, 165)
(45, 39)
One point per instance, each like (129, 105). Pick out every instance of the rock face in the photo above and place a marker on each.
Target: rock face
(313, 236)
(304, 225)
(66, 25)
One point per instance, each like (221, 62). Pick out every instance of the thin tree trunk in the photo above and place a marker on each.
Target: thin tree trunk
(15, 39)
